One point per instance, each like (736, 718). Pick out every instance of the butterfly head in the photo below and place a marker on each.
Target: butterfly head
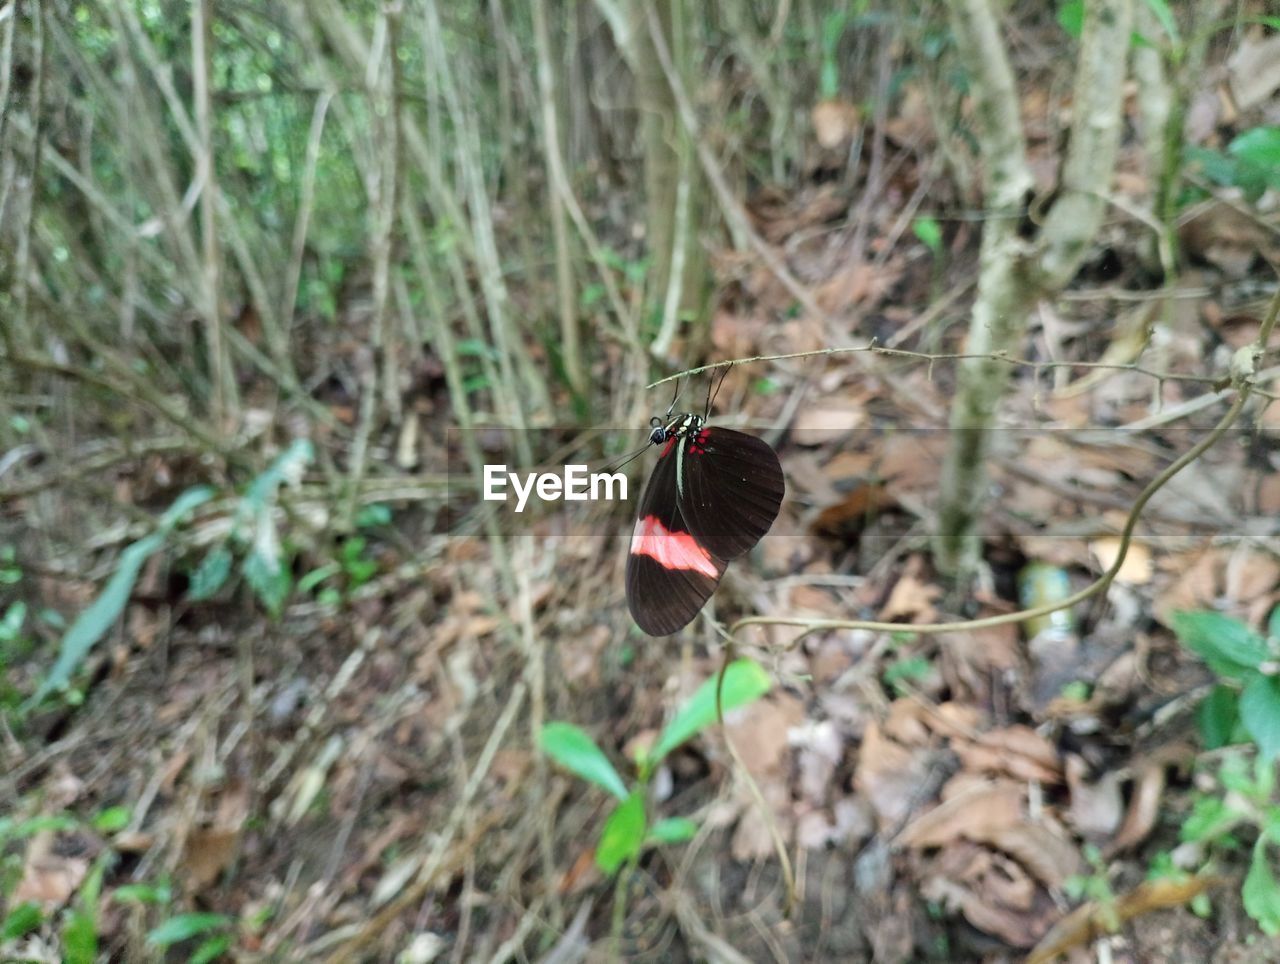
(677, 426)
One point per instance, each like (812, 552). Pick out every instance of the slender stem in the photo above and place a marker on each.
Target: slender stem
(1243, 376)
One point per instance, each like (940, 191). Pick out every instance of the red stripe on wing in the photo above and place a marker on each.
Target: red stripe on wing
(671, 550)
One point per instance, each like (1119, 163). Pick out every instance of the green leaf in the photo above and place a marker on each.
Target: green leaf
(11, 624)
(80, 938)
(34, 825)
(906, 671)
(376, 514)
(573, 749)
(317, 576)
(211, 574)
(929, 232)
(191, 499)
(142, 894)
(211, 949)
(287, 467)
(1260, 714)
(183, 927)
(1228, 646)
(80, 932)
(1164, 16)
(475, 348)
(23, 919)
(269, 579)
(1210, 819)
(744, 682)
(1273, 624)
(1071, 17)
(623, 834)
(1217, 716)
(1260, 893)
(1258, 153)
(112, 819)
(101, 614)
(672, 830)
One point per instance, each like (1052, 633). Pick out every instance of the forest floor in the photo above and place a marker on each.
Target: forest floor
(359, 778)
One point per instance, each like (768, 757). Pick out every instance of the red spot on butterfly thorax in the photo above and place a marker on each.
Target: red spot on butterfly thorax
(698, 442)
(668, 447)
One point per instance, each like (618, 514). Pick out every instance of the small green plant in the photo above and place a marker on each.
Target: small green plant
(1251, 162)
(1218, 823)
(1246, 701)
(10, 570)
(14, 644)
(1244, 706)
(1095, 886)
(1162, 867)
(214, 931)
(254, 536)
(353, 564)
(902, 674)
(629, 828)
(78, 926)
(101, 614)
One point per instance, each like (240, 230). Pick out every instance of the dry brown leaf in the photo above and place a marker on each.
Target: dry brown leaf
(580, 655)
(971, 660)
(752, 838)
(133, 841)
(954, 719)
(860, 283)
(1254, 70)
(1195, 587)
(819, 748)
(48, 879)
(1136, 568)
(1096, 807)
(827, 421)
(1048, 855)
(1008, 885)
(850, 513)
(888, 776)
(1016, 929)
(834, 122)
(1091, 920)
(972, 814)
(1249, 575)
(761, 734)
(1227, 238)
(1015, 750)
(905, 722)
(1144, 809)
(913, 459)
(912, 598)
(912, 121)
(845, 465)
(1269, 486)
(807, 600)
(208, 853)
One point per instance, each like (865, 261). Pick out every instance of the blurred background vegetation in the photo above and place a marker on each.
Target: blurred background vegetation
(258, 259)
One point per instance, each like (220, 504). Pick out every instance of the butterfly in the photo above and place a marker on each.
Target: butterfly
(712, 496)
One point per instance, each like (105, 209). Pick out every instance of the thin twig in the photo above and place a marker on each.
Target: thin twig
(1243, 377)
(876, 349)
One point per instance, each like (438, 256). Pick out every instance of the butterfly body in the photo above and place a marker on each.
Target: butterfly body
(713, 495)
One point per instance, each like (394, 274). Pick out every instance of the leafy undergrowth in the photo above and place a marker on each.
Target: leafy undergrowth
(263, 742)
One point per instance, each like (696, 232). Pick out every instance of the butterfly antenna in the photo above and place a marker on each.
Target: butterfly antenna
(674, 398)
(627, 459)
(711, 396)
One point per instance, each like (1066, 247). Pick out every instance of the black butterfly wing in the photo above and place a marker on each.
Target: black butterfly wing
(731, 488)
(670, 574)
